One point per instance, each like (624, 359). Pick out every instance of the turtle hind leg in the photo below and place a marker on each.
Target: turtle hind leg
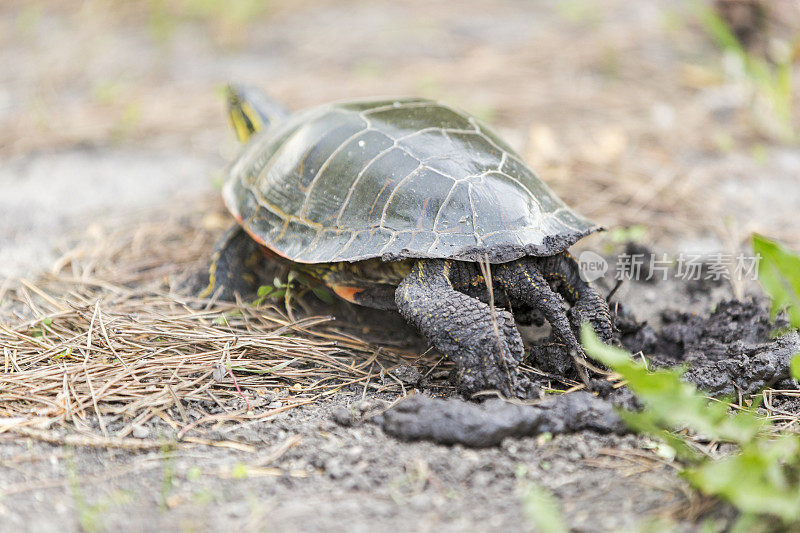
(234, 266)
(563, 274)
(484, 345)
(523, 281)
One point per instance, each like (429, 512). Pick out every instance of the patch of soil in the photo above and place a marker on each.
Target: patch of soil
(731, 351)
(355, 478)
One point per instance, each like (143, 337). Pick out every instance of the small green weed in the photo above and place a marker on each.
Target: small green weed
(284, 291)
(580, 12)
(615, 237)
(167, 476)
(779, 274)
(90, 515)
(540, 507)
(239, 471)
(227, 17)
(276, 291)
(771, 78)
(762, 479)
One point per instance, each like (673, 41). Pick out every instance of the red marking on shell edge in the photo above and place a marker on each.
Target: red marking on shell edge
(346, 293)
(255, 237)
(269, 249)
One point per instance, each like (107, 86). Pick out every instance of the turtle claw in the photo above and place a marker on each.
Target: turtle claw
(596, 314)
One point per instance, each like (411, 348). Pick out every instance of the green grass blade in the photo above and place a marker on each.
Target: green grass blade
(779, 274)
(541, 509)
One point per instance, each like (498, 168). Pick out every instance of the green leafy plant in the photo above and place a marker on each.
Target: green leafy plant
(283, 291)
(779, 273)
(275, 292)
(762, 479)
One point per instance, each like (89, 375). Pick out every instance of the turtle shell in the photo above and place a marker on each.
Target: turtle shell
(394, 179)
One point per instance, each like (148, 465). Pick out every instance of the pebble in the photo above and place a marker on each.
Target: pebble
(334, 468)
(355, 452)
(342, 416)
(407, 374)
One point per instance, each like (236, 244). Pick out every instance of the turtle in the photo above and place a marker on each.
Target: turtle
(412, 205)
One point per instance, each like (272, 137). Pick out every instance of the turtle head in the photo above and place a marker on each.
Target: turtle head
(251, 110)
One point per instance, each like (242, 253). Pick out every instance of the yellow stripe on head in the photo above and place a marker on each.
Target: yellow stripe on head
(250, 110)
(256, 122)
(238, 122)
(240, 115)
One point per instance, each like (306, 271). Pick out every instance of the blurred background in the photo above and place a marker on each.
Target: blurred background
(670, 122)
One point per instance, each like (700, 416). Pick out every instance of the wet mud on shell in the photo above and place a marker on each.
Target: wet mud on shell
(503, 253)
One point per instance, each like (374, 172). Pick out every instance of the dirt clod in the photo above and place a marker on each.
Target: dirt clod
(453, 421)
(343, 416)
(407, 374)
(748, 370)
(730, 351)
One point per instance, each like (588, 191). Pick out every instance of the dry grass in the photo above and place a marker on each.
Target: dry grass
(103, 344)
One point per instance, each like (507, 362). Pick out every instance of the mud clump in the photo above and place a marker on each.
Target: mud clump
(729, 352)
(747, 372)
(454, 421)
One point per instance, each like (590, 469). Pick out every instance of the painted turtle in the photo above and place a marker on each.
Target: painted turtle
(408, 204)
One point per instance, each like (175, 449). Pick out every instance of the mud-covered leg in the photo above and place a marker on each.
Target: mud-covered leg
(522, 281)
(486, 356)
(563, 273)
(234, 266)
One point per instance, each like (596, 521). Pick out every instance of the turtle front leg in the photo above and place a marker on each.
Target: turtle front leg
(484, 345)
(563, 274)
(234, 265)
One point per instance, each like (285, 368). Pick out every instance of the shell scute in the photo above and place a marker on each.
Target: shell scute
(329, 190)
(365, 204)
(418, 199)
(411, 117)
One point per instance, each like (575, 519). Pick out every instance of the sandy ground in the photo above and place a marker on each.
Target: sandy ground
(112, 112)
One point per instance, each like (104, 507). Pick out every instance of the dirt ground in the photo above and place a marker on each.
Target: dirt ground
(111, 116)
